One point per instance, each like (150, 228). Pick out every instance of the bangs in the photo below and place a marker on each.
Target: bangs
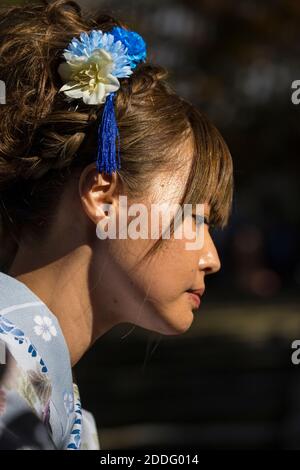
(211, 175)
(210, 179)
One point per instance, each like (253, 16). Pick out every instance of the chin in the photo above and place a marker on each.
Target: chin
(179, 323)
(169, 321)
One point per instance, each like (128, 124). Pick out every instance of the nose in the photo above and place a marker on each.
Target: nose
(209, 259)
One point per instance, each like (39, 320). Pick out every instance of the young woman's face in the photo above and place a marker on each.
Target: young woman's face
(164, 279)
(153, 294)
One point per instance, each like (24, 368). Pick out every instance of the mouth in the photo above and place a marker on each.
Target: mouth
(194, 297)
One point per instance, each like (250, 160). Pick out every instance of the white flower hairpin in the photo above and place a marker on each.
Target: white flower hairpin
(94, 63)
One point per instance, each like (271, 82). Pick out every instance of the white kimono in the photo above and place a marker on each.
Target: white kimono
(38, 380)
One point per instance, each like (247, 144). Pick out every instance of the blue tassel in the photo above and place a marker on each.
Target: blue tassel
(108, 137)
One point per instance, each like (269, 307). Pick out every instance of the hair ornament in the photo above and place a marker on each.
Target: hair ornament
(91, 71)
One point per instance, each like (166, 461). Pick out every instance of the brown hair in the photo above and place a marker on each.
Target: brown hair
(42, 138)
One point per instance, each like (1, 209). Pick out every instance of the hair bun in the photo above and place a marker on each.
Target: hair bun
(62, 11)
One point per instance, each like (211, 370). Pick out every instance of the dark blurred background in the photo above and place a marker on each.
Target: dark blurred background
(228, 382)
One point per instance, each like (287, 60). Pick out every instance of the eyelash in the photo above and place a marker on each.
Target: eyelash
(202, 219)
(205, 219)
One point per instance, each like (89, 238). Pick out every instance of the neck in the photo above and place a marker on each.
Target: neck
(62, 285)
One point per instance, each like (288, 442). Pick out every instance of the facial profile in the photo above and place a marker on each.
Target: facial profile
(164, 281)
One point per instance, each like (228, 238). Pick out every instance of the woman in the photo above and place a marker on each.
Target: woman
(80, 93)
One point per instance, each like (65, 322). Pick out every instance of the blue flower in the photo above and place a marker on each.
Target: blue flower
(135, 44)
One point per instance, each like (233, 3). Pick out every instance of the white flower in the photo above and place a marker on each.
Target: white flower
(44, 327)
(69, 402)
(93, 65)
(89, 78)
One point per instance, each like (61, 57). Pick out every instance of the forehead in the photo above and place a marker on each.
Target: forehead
(169, 186)
(168, 189)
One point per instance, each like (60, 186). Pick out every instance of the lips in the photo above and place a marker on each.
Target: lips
(195, 298)
(195, 295)
(199, 291)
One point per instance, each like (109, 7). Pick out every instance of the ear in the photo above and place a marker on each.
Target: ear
(97, 189)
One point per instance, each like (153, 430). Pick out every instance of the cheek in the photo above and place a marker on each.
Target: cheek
(165, 276)
(170, 272)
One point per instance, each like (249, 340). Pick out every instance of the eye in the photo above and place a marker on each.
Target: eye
(200, 219)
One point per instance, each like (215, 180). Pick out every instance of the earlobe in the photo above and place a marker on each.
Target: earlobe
(96, 191)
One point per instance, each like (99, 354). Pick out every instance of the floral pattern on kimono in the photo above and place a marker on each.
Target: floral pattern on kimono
(41, 371)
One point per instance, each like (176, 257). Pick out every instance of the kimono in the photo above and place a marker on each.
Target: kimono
(37, 383)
